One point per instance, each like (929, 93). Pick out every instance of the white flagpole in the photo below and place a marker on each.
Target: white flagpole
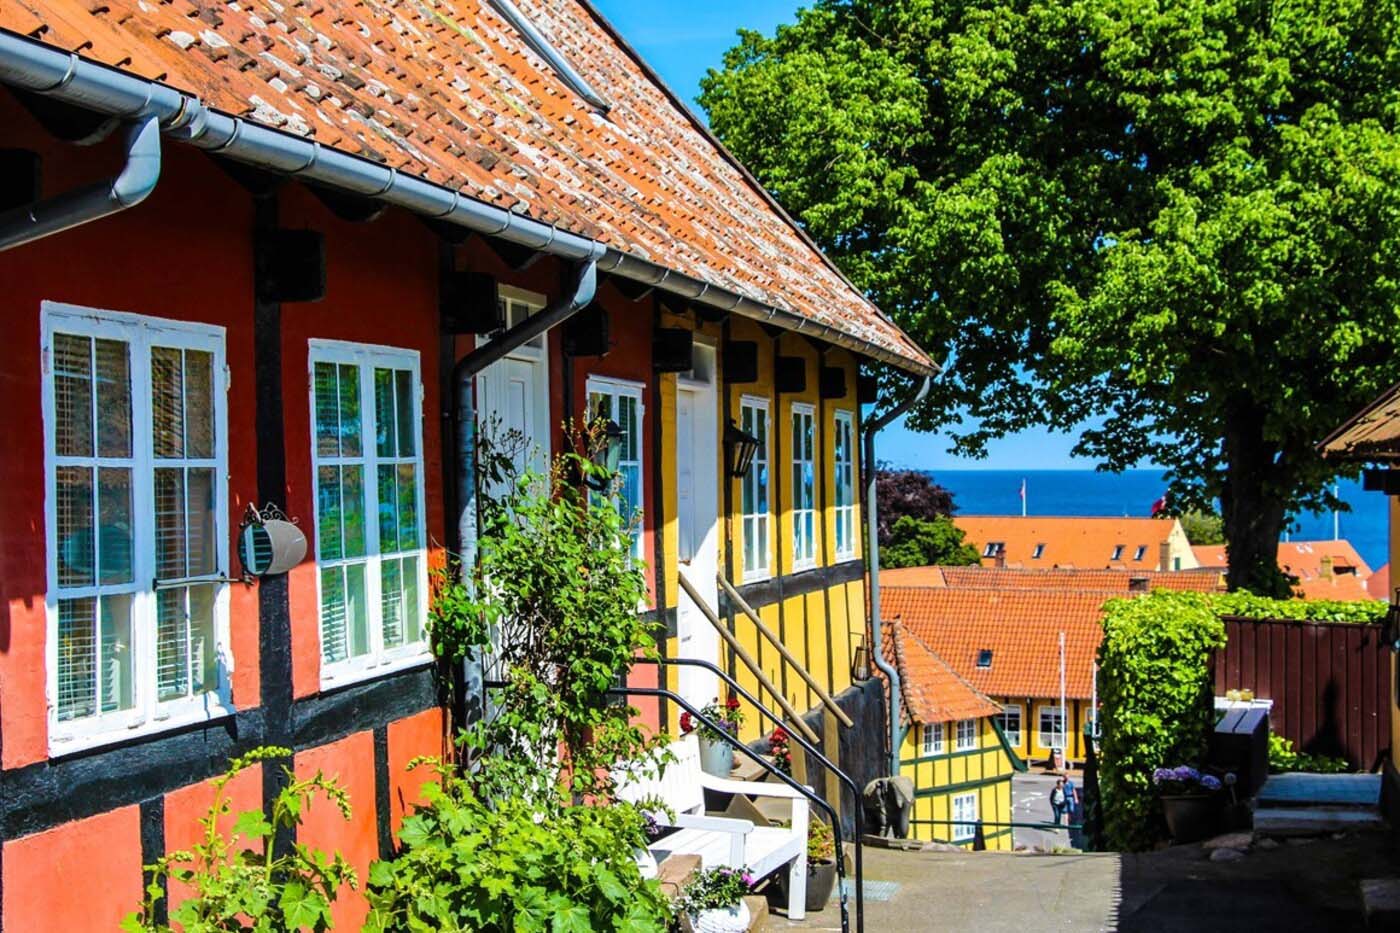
(1023, 497)
(1064, 707)
(1336, 516)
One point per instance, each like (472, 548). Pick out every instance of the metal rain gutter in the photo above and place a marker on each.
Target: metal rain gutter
(872, 550)
(43, 69)
(131, 186)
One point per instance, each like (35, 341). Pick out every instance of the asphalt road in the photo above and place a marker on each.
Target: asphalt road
(1030, 802)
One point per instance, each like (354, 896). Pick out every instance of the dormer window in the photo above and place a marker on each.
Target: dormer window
(1038, 552)
(1117, 552)
(1140, 553)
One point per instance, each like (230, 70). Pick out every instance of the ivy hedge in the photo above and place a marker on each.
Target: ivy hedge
(1156, 694)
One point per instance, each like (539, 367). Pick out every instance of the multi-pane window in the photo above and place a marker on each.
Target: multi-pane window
(621, 403)
(932, 739)
(964, 817)
(134, 431)
(1052, 727)
(368, 463)
(845, 486)
(967, 735)
(756, 514)
(1010, 722)
(804, 501)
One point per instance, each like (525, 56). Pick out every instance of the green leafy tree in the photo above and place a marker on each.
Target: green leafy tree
(1202, 526)
(1178, 221)
(917, 542)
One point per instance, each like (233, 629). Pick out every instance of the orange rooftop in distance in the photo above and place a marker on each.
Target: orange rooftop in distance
(1025, 578)
(1325, 569)
(1078, 542)
(933, 692)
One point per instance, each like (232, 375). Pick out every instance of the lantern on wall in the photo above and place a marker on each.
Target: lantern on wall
(740, 446)
(268, 542)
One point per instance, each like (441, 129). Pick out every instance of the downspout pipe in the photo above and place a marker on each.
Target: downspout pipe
(131, 186)
(872, 551)
(65, 76)
(464, 417)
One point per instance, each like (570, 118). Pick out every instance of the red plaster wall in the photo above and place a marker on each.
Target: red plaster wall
(408, 739)
(185, 807)
(83, 875)
(176, 255)
(381, 288)
(351, 762)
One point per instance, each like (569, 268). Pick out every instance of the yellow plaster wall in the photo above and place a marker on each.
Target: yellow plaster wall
(985, 772)
(1029, 746)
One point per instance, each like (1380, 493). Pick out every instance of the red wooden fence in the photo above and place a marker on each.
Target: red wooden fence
(1330, 682)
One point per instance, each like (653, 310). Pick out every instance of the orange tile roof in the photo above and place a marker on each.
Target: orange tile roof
(449, 91)
(1020, 627)
(1021, 578)
(1084, 542)
(932, 691)
(1303, 559)
(1378, 583)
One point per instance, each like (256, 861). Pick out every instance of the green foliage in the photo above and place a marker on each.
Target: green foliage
(1178, 220)
(240, 882)
(917, 542)
(1283, 757)
(1248, 606)
(1155, 696)
(1203, 526)
(821, 844)
(508, 868)
(530, 836)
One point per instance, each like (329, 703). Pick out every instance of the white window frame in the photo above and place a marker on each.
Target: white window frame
(760, 474)
(1140, 552)
(992, 548)
(1007, 711)
(148, 714)
(931, 736)
(619, 388)
(378, 661)
(1041, 736)
(964, 829)
(804, 547)
(844, 424)
(965, 737)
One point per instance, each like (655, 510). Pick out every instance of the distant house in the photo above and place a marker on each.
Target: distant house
(1078, 542)
(1007, 645)
(1325, 569)
(954, 751)
(1201, 580)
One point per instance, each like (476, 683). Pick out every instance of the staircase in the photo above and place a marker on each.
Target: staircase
(1304, 804)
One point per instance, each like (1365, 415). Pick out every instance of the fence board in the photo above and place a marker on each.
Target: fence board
(1330, 682)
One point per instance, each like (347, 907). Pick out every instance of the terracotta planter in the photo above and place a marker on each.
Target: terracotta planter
(1191, 817)
(716, 758)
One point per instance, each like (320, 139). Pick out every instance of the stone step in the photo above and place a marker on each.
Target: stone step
(1303, 789)
(1315, 821)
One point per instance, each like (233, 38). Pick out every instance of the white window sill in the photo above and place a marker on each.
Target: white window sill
(842, 557)
(180, 714)
(361, 669)
(755, 576)
(799, 566)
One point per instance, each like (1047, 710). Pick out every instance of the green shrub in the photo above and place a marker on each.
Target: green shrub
(511, 868)
(1248, 606)
(1155, 696)
(241, 884)
(1283, 757)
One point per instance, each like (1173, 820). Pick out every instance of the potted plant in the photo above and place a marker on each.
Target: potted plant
(714, 900)
(716, 752)
(1190, 801)
(821, 865)
(780, 749)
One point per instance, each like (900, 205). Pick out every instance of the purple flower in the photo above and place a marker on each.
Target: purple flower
(748, 880)
(1210, 782)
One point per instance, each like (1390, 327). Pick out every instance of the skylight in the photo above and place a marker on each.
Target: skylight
(984, 658)
(1117, 552)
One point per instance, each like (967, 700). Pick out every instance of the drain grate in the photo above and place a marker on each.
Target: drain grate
(873, 890)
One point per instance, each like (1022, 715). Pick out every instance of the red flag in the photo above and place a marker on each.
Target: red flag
(1159, 506)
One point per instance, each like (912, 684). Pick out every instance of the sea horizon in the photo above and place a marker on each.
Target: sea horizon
(1085, 492)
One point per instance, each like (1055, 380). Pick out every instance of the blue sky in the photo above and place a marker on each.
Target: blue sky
(682, 39)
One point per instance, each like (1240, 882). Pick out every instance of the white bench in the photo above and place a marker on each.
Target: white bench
(721, 840)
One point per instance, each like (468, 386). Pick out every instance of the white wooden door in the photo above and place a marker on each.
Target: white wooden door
(697, 527)
(512, 395)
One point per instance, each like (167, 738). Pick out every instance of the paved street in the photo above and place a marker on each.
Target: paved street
(1030, 802)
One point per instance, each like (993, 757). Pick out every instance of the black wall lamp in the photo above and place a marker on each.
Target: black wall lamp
(741, 446)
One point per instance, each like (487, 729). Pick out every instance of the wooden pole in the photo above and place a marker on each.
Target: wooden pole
(794, 718)
(788, 656)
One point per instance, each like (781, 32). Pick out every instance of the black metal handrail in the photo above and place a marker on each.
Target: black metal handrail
(812, 750)
(662, 692)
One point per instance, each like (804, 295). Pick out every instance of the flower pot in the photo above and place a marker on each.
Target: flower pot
(821, 881)
(1190, 817)
(722, 919)
(716, 757)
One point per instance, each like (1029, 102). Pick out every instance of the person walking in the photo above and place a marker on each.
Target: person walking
(1058, 800)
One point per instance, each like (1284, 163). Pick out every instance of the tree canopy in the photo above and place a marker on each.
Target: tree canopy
(921, 542)
(911, 493)
(1178, 220)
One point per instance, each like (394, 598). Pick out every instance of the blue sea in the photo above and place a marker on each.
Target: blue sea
(1085, 492)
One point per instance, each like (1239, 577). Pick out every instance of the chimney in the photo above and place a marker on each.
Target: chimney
(1324, 569)
(1164, 556)
(1000, 559)
(1138, 584)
